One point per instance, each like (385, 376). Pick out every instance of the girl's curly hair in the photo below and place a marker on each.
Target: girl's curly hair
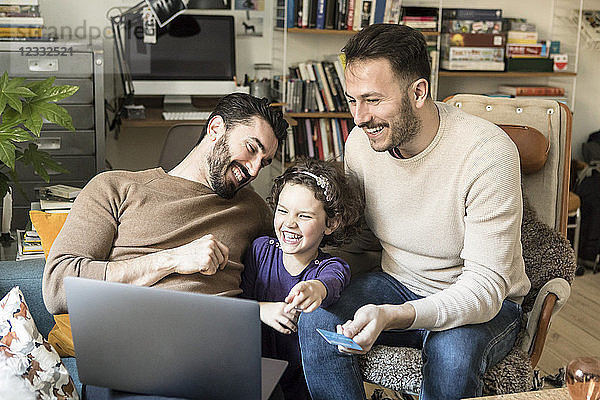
(344, 199)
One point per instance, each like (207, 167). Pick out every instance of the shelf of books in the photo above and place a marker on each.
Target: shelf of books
(20, 20)
(321, 138)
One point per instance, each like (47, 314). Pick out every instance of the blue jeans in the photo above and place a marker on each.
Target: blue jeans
(454, 360)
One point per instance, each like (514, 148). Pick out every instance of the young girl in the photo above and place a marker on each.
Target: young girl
(315, 203)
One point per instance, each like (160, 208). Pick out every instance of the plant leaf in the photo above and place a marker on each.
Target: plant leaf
(41, 162)
(53, 113)
(12, 92)
(39, 87)
(32, 120)
(15, 134)
(55, 93)
(7, 152)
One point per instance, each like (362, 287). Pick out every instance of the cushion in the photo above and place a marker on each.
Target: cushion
(27, 355)
(532, 145)
(48, 226)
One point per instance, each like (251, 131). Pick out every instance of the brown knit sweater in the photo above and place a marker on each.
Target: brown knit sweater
(121, 215)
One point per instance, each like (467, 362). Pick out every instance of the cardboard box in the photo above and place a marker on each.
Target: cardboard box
(519, 37)
(471, 26)
(473, 65)
(473, 40)
(530, 64)
(526, 50)
(473, 53)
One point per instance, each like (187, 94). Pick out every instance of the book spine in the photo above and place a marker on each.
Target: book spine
(472, 13)
(321, 14)
(318, 139)
(379, 11)
(305, 13)
(330, 11)
(392, 11)
(342, 16)
(357, 15)
(309, 135)
(336, 143)
(20, 32)
(317, 90)
(324, 138)
(22, 21)
(345, 131)
(539, 91)
(21, 2)
(350, 19)
(291, 14)
(323, 81)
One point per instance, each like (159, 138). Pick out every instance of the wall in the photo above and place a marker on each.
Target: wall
(91, 15)
(87, 20)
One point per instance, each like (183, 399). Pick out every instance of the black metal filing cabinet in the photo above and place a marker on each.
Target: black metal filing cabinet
(81, 152)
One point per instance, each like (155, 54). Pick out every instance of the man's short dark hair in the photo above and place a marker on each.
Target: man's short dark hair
(404, 47)
(241, 108)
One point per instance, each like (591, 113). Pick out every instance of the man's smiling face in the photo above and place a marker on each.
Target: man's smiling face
(239, 154)
(380, 104)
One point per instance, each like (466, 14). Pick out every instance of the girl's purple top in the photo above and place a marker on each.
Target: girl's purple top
(266, 279)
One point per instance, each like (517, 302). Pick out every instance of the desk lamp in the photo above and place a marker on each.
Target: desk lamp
(153, 12)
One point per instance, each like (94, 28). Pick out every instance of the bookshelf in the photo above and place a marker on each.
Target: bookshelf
(554, 20)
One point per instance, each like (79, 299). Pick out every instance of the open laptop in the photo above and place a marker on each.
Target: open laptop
(168, 343)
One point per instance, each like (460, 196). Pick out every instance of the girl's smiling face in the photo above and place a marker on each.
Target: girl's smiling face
(300, 222)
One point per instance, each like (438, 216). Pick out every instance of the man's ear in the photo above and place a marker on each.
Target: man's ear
(420, 91)
(332, 224)
(215, 128)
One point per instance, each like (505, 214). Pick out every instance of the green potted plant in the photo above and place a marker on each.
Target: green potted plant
(24, 107)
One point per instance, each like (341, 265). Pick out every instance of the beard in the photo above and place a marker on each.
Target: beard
(219, 163)
(404, 127)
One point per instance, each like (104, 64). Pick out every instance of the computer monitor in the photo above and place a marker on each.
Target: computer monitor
(193, 55)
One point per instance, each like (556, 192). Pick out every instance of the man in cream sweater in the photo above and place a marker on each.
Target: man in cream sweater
(443, 197)
(186, 229)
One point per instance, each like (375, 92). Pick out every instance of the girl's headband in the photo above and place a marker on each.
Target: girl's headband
(322, 182)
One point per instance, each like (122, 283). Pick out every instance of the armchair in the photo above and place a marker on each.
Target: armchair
(549, 259)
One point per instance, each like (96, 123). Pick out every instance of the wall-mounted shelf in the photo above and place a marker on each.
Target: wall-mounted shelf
(510, 74)
(319, 115)
(337, 31)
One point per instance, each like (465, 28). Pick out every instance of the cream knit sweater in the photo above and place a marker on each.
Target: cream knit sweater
(448, 219)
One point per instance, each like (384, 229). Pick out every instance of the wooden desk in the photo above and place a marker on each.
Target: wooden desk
(550, 394)
(154, 118)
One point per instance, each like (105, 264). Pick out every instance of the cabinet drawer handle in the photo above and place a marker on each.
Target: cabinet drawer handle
(48, 143)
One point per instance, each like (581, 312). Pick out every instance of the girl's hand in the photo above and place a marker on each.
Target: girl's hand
(274, 315)
(306, 296)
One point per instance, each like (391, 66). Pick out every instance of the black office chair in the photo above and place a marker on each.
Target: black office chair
(181, 138)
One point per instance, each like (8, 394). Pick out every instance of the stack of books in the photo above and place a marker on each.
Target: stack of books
(20, 20)
(29, 245)
(526, 52)
(336, 14)
(317, 86)
(58, 198)
(534, 92)
(421, 18)
(472, 39)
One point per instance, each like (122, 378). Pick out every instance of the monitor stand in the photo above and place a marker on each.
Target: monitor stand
(178, 103)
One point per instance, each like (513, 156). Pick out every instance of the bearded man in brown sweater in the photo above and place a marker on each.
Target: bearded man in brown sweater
(183, 230)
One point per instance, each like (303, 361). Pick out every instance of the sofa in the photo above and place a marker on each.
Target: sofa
(27, 275)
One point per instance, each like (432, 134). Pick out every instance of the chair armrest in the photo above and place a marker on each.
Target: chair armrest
(549, 300)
